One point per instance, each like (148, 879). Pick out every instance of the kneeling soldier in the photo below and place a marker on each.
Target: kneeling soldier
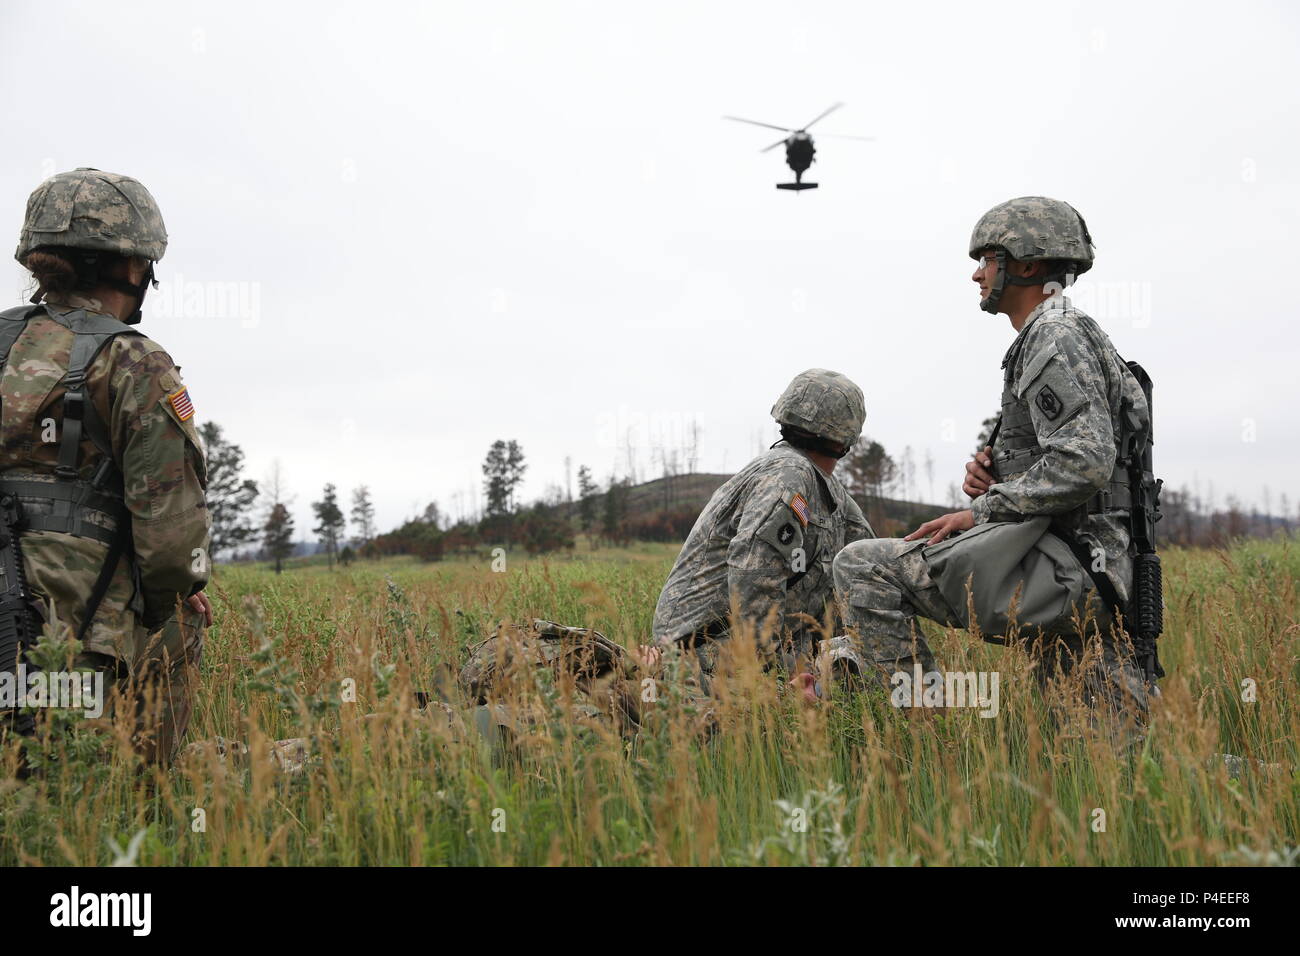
(1046, 543)
(760, 553)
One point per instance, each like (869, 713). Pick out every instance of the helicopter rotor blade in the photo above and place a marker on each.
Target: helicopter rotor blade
(739, 119)
(824, 115)
(779, 142)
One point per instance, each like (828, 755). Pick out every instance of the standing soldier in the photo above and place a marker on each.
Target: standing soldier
(1048, 527)
(99, 453)
(760, 553)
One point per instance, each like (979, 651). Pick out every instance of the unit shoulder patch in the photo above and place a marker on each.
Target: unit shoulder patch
(1048, 402)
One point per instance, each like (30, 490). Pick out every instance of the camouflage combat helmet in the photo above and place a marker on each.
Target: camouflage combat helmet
(1032, 228)
(95, 211)
(825, 404)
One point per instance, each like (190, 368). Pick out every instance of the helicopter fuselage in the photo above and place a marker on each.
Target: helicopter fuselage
(799, 151)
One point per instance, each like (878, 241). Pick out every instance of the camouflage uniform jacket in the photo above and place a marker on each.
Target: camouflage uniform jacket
(765, 541)
(1065, 389)
(132, 383)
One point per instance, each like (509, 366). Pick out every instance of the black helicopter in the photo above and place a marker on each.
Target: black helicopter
(799, 149)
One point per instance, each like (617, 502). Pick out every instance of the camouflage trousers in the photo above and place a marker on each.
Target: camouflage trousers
(156, 688)
(883, 584)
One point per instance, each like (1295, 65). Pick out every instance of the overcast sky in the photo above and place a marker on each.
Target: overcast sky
(399, 232)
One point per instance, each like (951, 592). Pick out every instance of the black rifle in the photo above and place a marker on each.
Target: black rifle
(18, 628)
(1146, 603)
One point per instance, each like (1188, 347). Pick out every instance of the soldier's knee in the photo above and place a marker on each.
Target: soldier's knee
(860, 560)
(852, 562)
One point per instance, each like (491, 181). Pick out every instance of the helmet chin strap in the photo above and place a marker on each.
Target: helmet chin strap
(990, 302)
(136, 289)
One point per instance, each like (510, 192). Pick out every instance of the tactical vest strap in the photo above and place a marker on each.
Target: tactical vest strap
(1013, 461)
(1105, 588)
(71, 501)
(92, 332)
(12, 323)
(85, 529)
(117, 546)
(1115, 496)
(71, 496)
(85, 495)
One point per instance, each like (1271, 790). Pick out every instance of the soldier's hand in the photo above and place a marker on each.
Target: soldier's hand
(807, 684)
(941, 527)
(648, 656)
(979, 473)
(200, 604)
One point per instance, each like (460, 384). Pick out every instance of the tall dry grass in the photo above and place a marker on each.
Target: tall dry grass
(852, 782)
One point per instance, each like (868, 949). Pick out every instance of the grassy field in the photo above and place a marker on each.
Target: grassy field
(850, 782)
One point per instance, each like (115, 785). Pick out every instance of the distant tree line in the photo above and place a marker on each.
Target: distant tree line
(248, 515)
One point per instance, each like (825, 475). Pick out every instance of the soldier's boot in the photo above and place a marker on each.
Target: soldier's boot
(1100, 674)
(855, 666)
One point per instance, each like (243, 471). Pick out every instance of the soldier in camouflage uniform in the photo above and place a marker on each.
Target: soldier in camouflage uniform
(1047, 493)
(761, 550)
(98, 443)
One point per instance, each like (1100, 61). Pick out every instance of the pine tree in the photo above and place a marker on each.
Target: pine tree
(515, 469)
(277, 520)
(496, 485)
(363, 517)
(587, 492)
(615, 510)
(870, 469)
(230, 497)
(330, 520)
(277, 534)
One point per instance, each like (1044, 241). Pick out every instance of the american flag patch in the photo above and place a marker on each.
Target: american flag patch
(181, 404)
(800, 508)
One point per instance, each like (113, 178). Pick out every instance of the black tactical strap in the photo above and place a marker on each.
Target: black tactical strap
(1115, 496)
(993, 435)
(116, 548)
(60, 523)
(59, 491)
(70, 498)
(1104, 586)
(68, 513)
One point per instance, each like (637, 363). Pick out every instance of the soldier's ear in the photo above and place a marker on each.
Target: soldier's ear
(132, 269)
(1024, 269)
(137, 267)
